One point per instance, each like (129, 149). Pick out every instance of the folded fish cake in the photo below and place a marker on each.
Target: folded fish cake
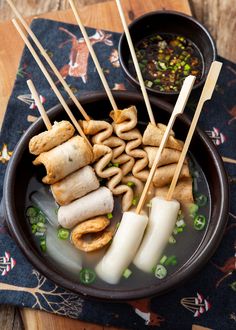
(164, 174)
(168, 156)
(152, 136)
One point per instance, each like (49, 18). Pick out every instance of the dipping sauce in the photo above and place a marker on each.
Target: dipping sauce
(166, 60)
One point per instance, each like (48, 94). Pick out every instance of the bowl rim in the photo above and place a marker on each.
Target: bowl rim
(200, 256)
(164, 12)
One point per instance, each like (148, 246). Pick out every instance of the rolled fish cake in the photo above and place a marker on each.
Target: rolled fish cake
(75, 185)
(65, 159)
(59, 133)
(96, 203)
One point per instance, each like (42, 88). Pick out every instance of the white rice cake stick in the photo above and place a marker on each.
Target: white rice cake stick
(161, 223)
(123, 247)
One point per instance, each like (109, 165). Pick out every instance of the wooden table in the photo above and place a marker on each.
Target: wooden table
(10, 53)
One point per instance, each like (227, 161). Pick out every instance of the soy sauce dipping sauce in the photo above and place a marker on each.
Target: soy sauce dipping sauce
(166, 60)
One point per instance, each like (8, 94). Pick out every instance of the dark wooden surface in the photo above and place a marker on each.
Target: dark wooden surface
(10, 318)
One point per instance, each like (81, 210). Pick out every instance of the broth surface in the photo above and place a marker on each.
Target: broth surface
(187, 242)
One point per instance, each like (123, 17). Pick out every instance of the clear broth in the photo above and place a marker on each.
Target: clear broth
(186, 244)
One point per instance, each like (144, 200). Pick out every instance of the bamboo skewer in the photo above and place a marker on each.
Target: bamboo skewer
(229, 160)
(39, 104)
(50, 81)
(136, 65)
(93, 55)
(178, 109)
(205, 95)
(49, 61)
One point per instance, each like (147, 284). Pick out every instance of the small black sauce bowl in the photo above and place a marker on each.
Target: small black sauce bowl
(20, 170)
(174, 23)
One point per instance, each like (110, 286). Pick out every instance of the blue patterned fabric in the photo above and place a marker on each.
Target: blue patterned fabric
(214, 287)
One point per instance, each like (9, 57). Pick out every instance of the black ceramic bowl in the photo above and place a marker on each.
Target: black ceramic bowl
(20, 170)
(172, 23)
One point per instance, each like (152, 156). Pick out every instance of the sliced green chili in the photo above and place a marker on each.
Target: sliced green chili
(199, 222)
(87, 276)
(201, 200)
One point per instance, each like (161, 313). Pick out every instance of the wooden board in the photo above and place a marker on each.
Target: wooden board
(10, 53)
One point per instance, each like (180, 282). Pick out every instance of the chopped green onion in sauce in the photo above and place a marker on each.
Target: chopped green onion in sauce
(109, 215)
(165, 60)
